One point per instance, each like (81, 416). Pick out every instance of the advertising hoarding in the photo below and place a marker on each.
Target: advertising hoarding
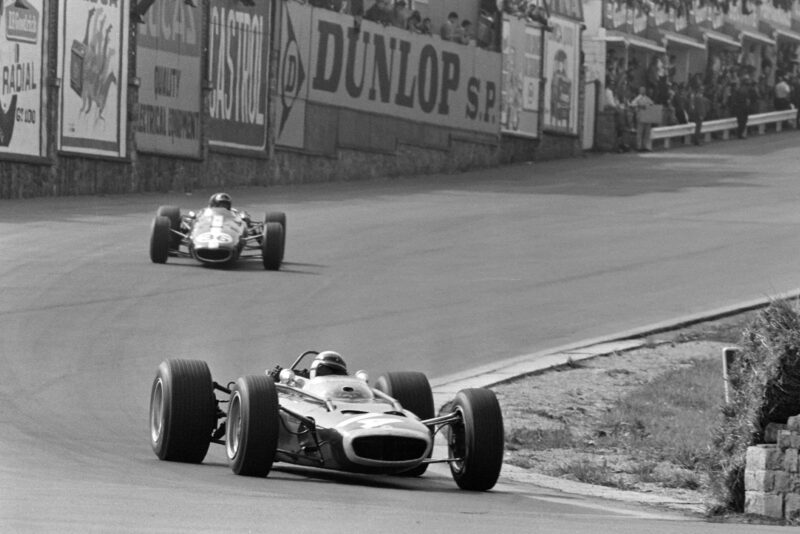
(168, 63)
(522, 70)
(21, 117)
(383, 70)
(238, 55)
(93, 66)
(562, 70)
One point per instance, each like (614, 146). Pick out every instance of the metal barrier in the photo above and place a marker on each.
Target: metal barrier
(726, 126)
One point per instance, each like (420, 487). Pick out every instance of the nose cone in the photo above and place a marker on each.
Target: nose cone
(376, 439)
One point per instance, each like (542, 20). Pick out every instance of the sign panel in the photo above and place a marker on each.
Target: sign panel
(21, 83)
(522, 70)
(292, 87)
(562, 53)
(168, 63)
(238, 55)
(385, 70)
(93, 66)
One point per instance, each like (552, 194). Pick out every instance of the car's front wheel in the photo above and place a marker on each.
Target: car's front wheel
(182, 411)
(160, 239)
(476, 440)
(173, 213)
(251, 430)
(272, 246)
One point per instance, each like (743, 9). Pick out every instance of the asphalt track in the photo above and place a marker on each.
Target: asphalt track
(439, 274)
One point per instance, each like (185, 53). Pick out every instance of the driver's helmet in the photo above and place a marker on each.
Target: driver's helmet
(220, 200)
(328, 363)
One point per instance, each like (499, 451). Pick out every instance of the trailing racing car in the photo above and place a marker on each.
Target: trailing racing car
(322, 417)
(217, 235)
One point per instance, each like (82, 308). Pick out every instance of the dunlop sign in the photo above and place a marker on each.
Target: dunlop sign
(387, 71)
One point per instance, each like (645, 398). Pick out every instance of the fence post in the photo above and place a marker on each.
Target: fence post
(728, 356)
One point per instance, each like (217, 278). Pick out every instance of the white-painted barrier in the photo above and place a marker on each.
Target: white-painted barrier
(726, 126)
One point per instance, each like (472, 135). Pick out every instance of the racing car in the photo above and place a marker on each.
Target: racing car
(329, 421)
(217, 236)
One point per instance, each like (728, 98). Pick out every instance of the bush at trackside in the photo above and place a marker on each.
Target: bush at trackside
(765, 388)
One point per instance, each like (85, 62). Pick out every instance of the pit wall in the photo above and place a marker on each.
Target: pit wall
(772, 475)
(338, 140)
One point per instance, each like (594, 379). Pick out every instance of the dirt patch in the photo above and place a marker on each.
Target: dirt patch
(558, 422)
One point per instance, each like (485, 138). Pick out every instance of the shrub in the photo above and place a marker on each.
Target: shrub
(765, 380)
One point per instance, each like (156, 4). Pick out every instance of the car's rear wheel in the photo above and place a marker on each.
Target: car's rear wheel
(182, 411)
(272, 246)
(413, 391)
(160, 239)
(173, 213)
(280, 218)
(251, 431)
(477, 440)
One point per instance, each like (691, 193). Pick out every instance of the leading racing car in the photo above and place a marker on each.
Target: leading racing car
(325, 418)
(218, 234)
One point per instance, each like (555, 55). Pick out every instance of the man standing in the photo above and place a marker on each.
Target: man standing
(740, 102)
(796, 97)
(641, 102)
(450, 29)
(697, 112)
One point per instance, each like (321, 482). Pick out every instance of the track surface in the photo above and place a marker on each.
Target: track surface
(435, 274)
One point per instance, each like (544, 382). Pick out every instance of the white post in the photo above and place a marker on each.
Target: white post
(728, 356)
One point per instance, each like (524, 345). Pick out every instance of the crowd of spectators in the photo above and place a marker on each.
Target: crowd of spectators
(729, 88)
(396, 13)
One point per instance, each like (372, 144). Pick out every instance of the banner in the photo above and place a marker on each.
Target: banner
(168, 63)
(562, 70)
(21, 118)
(93, 66)
(238, 55)
(385, 70)
(522, 71)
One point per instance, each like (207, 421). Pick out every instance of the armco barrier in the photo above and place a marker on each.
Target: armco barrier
(724, 126)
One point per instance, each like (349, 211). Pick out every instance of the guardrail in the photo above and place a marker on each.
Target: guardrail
(726, 126)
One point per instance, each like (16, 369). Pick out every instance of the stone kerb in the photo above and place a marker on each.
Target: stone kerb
(772, 474)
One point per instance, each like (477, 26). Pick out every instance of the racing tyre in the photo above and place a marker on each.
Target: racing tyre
(413, 391)
(160, 239)
(251, 433)
(173, 213)
(272, 246)
(182, 411)
(477, 440)
(278, 217)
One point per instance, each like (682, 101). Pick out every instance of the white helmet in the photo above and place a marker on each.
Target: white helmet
(328, 363)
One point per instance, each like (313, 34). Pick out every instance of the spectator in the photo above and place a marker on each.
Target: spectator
(782, 94)
(642, 102)
(356, 8)
(426, 27)
(618, 108)
(741, 104)
(450, 28)
(380, 12)
(400, 14)
(796, 97)
(680, 104)
(465, 35)
(697, 112)
(414, 22)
